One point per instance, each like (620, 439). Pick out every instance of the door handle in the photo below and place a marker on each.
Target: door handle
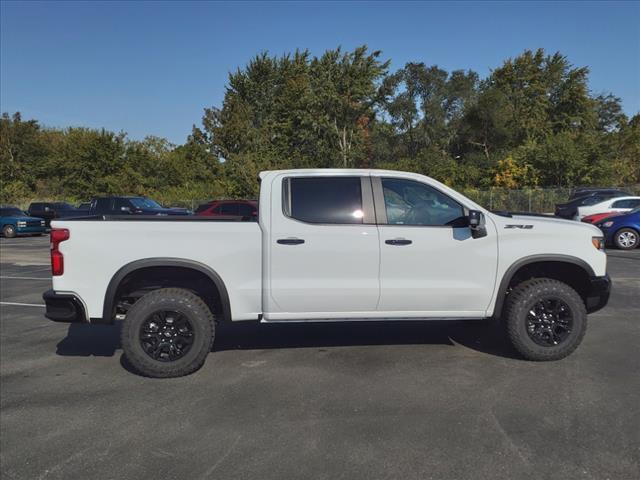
(290, 241)
(398, 241)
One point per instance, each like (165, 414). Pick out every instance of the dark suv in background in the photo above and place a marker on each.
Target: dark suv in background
(132, 206)
(52, 210)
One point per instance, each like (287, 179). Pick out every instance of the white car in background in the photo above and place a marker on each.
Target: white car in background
(617, 204)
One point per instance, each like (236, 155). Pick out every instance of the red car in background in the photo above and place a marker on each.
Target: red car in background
(596, 217)
(229, 208)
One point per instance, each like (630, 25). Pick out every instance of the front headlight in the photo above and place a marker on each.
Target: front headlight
(42, 223)
(22, 224)
(607, 224)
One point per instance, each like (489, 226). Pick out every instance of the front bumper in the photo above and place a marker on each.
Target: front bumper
(598, 294)
(63, 307)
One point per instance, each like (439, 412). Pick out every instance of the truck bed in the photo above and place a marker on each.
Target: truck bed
(99, 247)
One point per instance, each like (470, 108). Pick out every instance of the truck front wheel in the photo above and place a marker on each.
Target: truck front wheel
(545, 319)
(168, 333)
(8, 231)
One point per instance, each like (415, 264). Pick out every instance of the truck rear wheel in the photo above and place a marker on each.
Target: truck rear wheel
(545, 319)
(168, 333)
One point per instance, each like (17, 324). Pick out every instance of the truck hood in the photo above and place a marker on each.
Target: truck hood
(23, 219)
(545, 222)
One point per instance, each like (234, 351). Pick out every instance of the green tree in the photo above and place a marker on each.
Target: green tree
(21, 147)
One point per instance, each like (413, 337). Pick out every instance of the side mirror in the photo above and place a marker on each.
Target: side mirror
(125, 209)
(477, 224)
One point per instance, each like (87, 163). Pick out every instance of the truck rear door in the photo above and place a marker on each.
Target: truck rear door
(323, 259)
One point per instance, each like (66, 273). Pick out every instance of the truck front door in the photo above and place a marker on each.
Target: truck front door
(430, 265)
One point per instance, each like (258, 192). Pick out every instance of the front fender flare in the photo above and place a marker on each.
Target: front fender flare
(518, 264)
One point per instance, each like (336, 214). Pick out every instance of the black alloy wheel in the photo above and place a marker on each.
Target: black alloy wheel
(545, 319)
(166, 335)
(549, 322)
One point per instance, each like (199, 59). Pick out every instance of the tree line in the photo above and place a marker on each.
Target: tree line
(533, 122)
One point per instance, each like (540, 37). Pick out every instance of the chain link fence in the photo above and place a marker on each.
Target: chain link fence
(533, 200)
(529, 200)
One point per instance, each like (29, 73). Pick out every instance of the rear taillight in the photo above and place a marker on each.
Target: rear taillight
(57, 260)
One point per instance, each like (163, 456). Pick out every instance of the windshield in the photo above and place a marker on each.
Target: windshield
(144, 203)
(12, 212)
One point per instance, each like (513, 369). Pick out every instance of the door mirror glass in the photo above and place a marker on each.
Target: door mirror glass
(477, 224)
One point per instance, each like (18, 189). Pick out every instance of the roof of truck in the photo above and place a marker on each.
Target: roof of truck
(333, 171)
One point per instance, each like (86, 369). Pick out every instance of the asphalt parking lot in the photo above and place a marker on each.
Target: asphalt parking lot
(412, 400)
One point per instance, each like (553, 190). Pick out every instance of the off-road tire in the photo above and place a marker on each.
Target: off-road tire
(8, 231)
(175, 299)
(522, 299)
(632, 232)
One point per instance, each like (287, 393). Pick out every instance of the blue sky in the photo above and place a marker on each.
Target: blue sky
(150, 68)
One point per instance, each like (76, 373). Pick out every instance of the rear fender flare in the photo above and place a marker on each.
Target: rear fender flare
(119, 276)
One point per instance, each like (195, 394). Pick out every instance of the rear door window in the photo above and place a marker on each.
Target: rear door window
(332, 200)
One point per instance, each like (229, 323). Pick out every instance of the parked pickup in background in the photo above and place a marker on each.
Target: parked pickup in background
(14, 222)
(330, 245)
(52, 210)
(132, 206)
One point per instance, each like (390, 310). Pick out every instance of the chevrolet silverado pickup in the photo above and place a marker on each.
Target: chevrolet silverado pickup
(329, 245)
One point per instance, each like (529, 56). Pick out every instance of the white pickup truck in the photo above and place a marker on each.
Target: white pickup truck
(329, 245)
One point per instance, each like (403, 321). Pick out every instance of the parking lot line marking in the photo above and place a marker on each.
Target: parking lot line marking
(15, 304)
(26, 278)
